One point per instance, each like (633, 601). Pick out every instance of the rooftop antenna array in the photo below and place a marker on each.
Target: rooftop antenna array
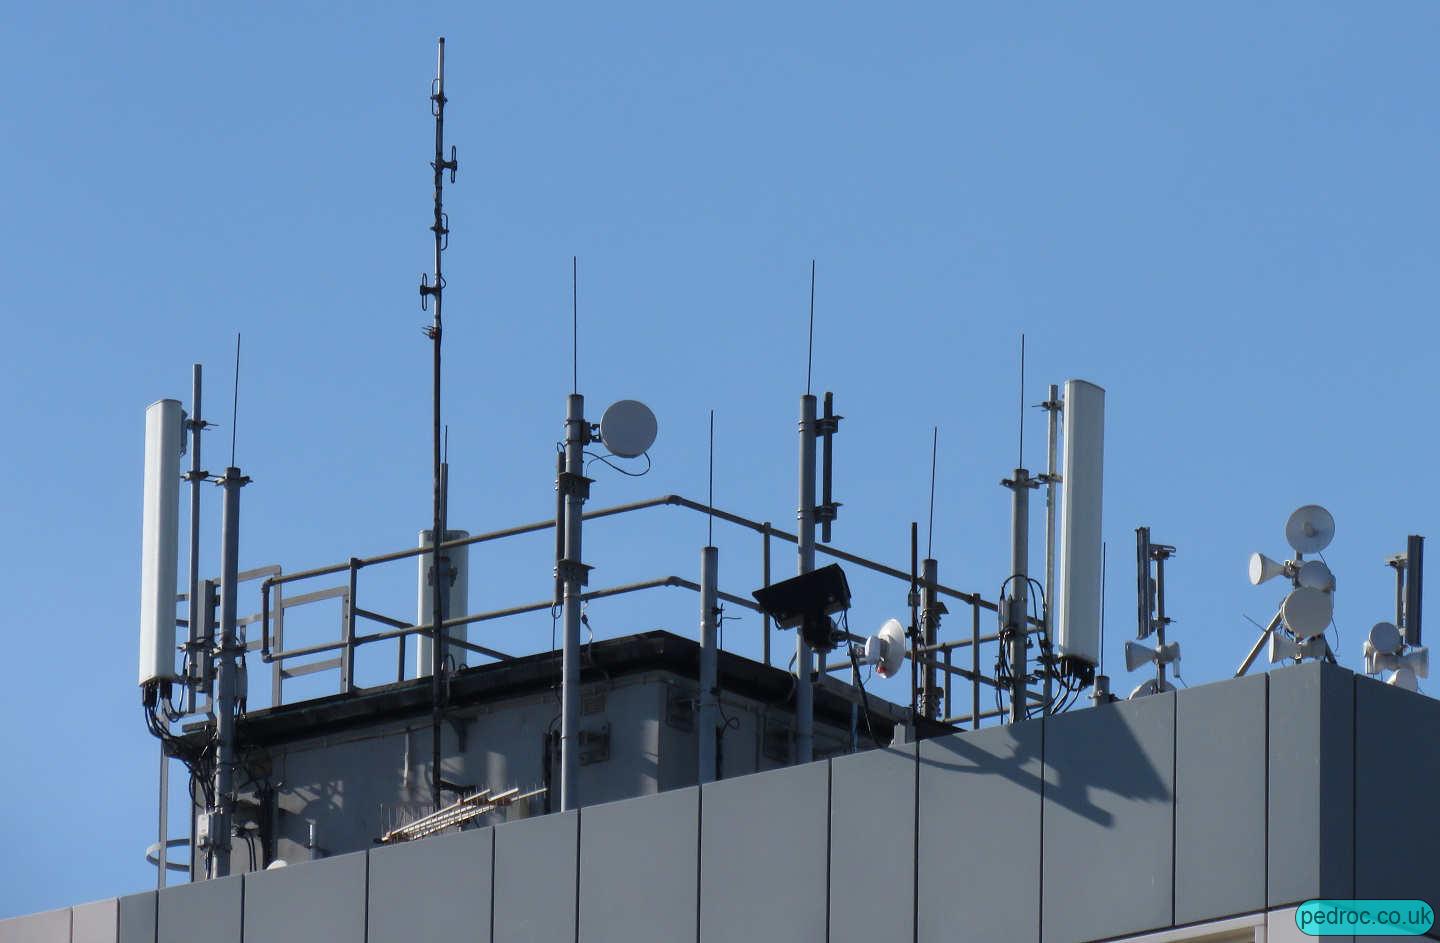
(808, 514)
(1150, 590)
(1013, 665)
(208, 660)
(627, 429)
(440, 577)
(1394, 647)
(1297, 630)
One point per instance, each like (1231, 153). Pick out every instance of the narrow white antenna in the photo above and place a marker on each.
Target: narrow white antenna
(160, 540)
(1077, 635)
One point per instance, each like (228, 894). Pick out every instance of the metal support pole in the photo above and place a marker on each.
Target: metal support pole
(1017, 612)
(1160, 620)
(199, 648)
(1053, 407)
(197, 651)
(576, 487)
(1259, 646)
(930, 623)
(227, 692)
(805, 560)
(164, 823)
(439, 571)
(709, 678)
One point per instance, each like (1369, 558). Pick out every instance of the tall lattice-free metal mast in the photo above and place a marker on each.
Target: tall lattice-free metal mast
(439, 571)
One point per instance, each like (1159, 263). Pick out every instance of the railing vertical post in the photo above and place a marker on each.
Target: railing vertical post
(277, 668)
(975, 664)
(347, 665)
(765, 542)
(949, 683)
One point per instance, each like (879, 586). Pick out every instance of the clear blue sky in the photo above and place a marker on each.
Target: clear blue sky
(1224, 214)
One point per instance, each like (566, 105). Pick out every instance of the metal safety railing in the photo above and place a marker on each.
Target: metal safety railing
(341, 652)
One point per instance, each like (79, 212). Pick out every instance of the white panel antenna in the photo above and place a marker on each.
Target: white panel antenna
(457, 603)
(160, 539)
(1077, 634)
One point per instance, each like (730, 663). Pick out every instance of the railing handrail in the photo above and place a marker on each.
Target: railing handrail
(399, 629)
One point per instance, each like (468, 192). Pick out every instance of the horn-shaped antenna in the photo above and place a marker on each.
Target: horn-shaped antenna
(1263, 568)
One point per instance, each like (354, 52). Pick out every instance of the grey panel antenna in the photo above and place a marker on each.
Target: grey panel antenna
(1313, 574)
(1307, 611)
(628, 428)
(1310, 529)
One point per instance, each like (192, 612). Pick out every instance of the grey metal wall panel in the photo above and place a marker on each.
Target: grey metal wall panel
(137, 918)
(1397, 776)
(216, 906)
(1220, 799)
(1311, 804)
(639, 869)
(535, 868)
(979, 851)
(872, 834)
(762, 856)
(317, 900)
(98, 922)
(1109, 820)
(52, 926)
(434, 889)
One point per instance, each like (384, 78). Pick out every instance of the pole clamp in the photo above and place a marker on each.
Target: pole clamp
(567, 570)
(573, 484)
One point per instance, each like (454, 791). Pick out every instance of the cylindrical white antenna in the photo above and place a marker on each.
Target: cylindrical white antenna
(160, 540)
(1077, 634)
(457, 600)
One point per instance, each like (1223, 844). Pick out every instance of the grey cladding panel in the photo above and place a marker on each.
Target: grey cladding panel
(137, 918)
(214, 905)
(433, 889)
(95, 923)
(872, 840)
(639, 862)
(304, 903)
(762, 856)
(980, 835)
(1311, 801)
(52, 926)
(535, 862)
(1220, 800)
(1109, 800)
(1397, 776)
